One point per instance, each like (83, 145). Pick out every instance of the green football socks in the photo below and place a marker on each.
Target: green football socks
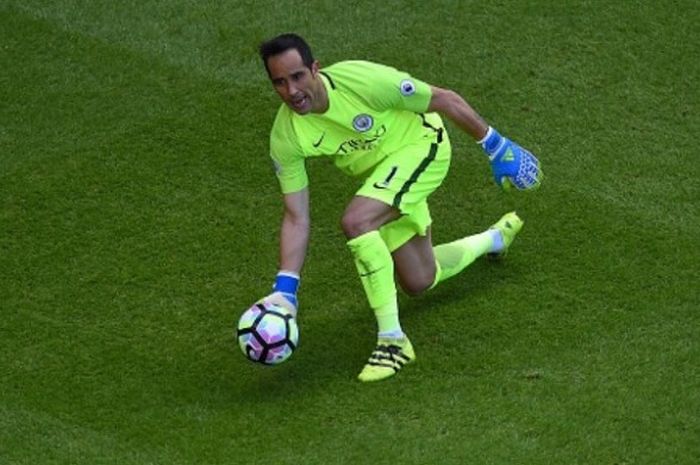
(455, 256)
(376, 269)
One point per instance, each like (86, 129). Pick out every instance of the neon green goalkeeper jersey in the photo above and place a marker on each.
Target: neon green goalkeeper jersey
(373, 111)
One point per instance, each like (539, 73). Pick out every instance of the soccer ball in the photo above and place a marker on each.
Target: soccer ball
(267, 333)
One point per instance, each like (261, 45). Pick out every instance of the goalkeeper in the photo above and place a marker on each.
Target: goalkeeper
(380, 123)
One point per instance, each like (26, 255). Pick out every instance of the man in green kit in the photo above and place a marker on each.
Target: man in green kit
(380, 123)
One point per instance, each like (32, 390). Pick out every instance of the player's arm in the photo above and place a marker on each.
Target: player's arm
(290, 170)
(452, 105)
(294, 238)
(511, 164)
(294, 234)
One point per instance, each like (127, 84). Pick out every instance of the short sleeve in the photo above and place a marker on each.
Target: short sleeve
(287, 155)
(386, 88)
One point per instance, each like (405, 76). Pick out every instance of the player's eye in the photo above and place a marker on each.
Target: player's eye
(298, 75)
(278, 82)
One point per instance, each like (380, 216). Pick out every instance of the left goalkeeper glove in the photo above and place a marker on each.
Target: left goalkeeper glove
(510, 163)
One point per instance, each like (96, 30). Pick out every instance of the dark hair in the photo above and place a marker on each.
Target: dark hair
(285, 42)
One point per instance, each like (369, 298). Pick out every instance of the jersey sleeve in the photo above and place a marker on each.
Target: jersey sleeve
(287, 155)
(388, 88)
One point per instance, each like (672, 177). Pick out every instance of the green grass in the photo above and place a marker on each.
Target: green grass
(139, 216)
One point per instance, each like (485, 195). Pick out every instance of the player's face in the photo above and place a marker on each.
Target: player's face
(298, 86)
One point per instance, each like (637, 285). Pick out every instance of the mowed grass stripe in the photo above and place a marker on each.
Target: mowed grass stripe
(94, 232)
(182, 35)
(52, 440)
(124, 267)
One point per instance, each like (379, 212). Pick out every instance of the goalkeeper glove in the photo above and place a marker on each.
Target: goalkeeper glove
(284, 291)
(510, 163)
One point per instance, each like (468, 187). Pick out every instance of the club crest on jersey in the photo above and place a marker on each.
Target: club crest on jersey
(407, 87)
(362, 122)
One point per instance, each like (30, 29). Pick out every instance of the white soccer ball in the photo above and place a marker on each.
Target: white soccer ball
(267, 333)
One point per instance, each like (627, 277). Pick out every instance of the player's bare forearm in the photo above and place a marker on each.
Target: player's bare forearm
(511, 164)
(453, 106)
(294, 234)
(294, 238)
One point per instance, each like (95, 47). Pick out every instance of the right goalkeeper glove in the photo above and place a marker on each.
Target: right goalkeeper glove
(284, 291)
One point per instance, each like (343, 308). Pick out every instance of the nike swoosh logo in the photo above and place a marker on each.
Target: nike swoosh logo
(316, 144)
(380, 186)
(370, 273)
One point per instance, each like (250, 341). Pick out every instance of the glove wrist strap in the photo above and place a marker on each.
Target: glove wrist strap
(492, 141)
(286, 282)
(489, 133)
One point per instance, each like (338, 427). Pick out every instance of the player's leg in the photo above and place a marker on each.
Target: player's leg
(415, 264)
(420, 266)
(365, 214)
(402, 181)
(361, 222)
(453, 257)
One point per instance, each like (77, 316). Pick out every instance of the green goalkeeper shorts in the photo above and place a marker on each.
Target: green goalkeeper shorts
(404, 180)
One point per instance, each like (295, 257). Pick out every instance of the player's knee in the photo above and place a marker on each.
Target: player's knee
(353, 225)
(417, 283)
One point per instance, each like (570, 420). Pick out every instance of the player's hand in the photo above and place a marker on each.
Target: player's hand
(510, 163)
(284, 291)
(277, 298)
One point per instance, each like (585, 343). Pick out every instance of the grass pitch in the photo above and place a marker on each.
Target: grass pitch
(139, 217)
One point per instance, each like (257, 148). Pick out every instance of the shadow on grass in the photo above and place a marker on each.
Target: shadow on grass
(334, 346)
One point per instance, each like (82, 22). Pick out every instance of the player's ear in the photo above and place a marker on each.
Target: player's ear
(315, 67)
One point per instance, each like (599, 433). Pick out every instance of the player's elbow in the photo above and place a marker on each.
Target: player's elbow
(298, 222)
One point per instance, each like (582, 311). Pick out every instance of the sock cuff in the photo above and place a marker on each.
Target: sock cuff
(364, 240)
(438, 275)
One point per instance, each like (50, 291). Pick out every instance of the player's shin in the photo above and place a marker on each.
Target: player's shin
(376, 269)
(455, 256)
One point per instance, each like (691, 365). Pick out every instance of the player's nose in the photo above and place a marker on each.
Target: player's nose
(291, 89)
